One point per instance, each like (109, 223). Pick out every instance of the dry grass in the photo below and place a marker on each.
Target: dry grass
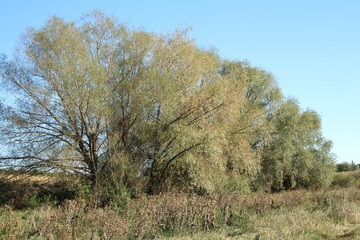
(332, 214)
(25, 178)
(73, 220)
(327, 215)
(302, 214)
(355, 174)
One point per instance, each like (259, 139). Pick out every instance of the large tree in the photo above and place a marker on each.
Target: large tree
(85, 92)
(95, 95)
(63, 82)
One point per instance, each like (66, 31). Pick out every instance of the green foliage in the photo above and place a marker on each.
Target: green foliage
(114, 113)
(116, 189)
(345, 167)
(298, 155)
(344, 180)
(239, 184)
(99, 99)
(6, 189)
(33, 201)
(30, 191)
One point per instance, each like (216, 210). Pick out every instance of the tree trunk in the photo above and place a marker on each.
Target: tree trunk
(91, 160)
(154, 181)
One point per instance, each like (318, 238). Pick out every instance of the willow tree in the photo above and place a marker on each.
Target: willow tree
(95, 95)
(251, 130)
(86, 92)
(186, 107)
(63, 83)
(298, 155)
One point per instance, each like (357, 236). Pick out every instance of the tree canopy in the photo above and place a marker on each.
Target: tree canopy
(96, 96)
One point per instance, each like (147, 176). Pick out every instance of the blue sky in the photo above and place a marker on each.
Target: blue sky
(311, 46)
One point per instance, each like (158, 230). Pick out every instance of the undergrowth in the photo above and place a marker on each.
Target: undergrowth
(301, 214)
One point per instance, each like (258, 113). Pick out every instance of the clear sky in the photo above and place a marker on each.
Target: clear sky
(311, 46)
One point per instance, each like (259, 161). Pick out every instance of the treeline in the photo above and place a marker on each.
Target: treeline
(138, 112)
(347, 167)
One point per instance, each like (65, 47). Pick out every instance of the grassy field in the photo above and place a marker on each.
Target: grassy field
(334, 217)
(332, 213)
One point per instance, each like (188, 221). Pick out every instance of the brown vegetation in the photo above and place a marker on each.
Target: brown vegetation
(320, 214)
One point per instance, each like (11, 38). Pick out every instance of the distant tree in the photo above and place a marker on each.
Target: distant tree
(346, 167)
(298, 155)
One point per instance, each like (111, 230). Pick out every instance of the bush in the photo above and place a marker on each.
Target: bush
(345, 167)
(343, 180)
(28, 191)
(239, 184)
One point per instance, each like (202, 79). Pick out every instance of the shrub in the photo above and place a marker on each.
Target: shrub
(239, 184)
(343, 180)
(26, 191)
(345, 167)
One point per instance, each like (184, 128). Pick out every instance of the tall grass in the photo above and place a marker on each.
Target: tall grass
(302, 214)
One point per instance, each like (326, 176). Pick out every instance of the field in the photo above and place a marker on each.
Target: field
(332, 213)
